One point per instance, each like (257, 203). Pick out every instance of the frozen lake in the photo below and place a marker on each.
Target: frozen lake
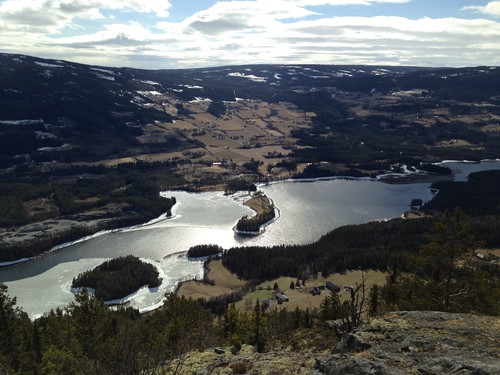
(308, 210)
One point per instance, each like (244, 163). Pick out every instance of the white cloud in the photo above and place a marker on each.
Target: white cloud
(492, 8)
(343, 2)
(240, 32)
(113, 35)
(243, 15)
(51, 16)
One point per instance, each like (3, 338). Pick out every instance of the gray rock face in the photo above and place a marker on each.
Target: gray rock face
(360, 367)
(419, 342)
(353, 343)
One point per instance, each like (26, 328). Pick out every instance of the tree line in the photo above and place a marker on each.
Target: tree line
(118, 278)
(376, 245)
(137, 191)
(445, 274)
(87, 337)
(365, 246)
(199, 251)
(253, 223)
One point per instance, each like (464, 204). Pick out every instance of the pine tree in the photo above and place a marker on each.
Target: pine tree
(258, 328)
(445, 261)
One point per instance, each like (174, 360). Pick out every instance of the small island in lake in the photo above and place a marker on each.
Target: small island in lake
(264, 213)
(200, 251)
(119, 277)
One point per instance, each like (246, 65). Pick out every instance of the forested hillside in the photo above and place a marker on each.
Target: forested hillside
(97, 198)
(376, 245)
(87, 337)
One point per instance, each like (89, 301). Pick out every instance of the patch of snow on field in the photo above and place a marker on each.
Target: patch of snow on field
(64, 147)
(22, 122)
(251, 77)
(44, 135)
(106, 71)
(153, 92)
(153, 83)
(192, 87)
(380, 72)
(197, 100)
(102, 76)
(45, 65)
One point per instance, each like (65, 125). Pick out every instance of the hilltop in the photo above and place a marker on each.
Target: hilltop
(404, 342)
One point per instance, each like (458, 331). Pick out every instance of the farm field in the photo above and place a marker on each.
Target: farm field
(226, 283)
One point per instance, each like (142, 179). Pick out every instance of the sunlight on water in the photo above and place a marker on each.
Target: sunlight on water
(308, 210)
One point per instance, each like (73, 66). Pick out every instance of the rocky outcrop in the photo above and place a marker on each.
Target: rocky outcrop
(415, 342)
(398, 343)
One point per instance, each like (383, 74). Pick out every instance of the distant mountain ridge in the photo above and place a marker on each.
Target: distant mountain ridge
(91, 112)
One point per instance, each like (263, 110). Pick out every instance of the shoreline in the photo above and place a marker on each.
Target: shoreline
(176, 281)
(159, 219)
(168, 285)
(390, 178)
(262, 227)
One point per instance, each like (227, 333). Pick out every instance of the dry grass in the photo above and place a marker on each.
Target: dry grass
(184, 125)
(301, 297)
(225, 283)
(246, 123)
(359, 111)
(491, 128)
(284, 361)
(204, 117)
(258, 204)
(221, 276)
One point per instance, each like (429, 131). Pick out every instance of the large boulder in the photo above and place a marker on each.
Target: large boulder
(418, 342)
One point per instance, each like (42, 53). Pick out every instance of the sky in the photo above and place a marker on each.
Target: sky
(164, 34)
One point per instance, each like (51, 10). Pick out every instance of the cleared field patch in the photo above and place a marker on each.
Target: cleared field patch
(248, 129)
(252, 131)
(259, 204)
(184, 125)
(156, 134)
(225, 283)
(242, 155)
(472, 119)
(275, 133)
(360, 111)
(115, 162)
(197, 106)
(231, 124)
(164, 156)
(491, 129)
(258, 153)
(235, 155)
(41, 207)
(210, 139)
(301, 297)
(248, 114)
(204, 118)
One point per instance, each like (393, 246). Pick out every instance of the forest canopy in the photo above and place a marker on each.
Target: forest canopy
(119, 277)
